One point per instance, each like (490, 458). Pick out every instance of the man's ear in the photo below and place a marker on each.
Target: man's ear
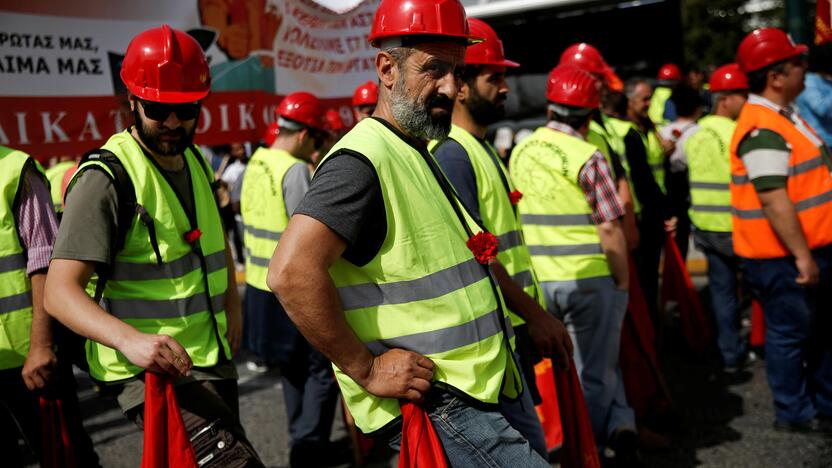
(386, 69)
(464, 90)
(131, 101)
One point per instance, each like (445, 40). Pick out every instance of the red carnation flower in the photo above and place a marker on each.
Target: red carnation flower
(515, 197)
(676, 133)
(192, 236)
(484, 247)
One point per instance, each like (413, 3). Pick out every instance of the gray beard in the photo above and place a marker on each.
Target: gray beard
(414, 117)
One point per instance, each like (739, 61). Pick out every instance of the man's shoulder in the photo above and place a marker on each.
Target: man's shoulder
(450, 150)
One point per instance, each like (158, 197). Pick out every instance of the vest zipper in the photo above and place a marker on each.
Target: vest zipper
(450, 195)
(195, 248)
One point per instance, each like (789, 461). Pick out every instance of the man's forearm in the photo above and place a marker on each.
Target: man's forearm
(41, 333)
(310, 299)
(615, 248)
(782, 216)
(516, 299)
(66, 300)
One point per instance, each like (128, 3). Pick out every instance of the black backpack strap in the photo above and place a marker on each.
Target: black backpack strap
(127, 206)
(215, 183)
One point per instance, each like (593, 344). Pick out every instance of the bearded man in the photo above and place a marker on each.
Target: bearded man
(374, 268)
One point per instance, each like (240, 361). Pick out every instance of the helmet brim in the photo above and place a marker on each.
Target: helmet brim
(167, 97)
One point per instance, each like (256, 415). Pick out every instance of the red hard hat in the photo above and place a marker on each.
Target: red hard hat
(333, 120)
(166, 65)
(584, 56)
(365, 94)
(271, 134)
(766, 46)
(490, 50)
(571, 86)
(397, 18)
(728, 78)
(669, 72)
(303, 108)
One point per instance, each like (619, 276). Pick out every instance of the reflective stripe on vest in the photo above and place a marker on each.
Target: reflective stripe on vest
(561, 235)
(423, 290)
(709, 173)
(497, 213)
(809, 187)
(263, 210)
(181, 292)
(15, 287)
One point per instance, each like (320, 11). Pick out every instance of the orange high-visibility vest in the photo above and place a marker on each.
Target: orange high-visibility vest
(809, 187)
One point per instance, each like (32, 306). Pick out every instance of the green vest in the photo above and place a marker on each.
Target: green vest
(159, 283)
(15, 288)
(709, 172)
(498, 215)
(656, 110)
(597, 136)
(55, 175)
(423, 291)
(263, 210)
(617, 129)
(557, 220)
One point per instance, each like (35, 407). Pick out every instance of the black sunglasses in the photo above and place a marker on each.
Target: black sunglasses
(160, 112)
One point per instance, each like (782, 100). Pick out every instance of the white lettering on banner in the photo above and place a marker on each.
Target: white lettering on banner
(90, 127)
(224, 117)
(204, 121)
(21, 127)
(118, 119)
(51, 128)
(246, 119)
(4, 140)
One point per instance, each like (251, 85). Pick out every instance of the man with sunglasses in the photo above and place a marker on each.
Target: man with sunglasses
(274, 184)
(140, 214)
(781, 195)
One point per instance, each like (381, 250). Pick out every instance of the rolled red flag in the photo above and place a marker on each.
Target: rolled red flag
(56, 445)
(166, 442)
(421, 447)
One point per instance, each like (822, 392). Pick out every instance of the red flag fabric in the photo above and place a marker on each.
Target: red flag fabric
(758, 324)
(823, 22)
(166, 442)
(643, 380)
(421, 447)
(676, 284)
(56, 445)
(579, 449)
(548, 410)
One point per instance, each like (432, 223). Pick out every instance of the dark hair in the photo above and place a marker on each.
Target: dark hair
(615, 102)
(686, 99)
(631, 85)
(820, 58)
(470, 74)
(758, 79)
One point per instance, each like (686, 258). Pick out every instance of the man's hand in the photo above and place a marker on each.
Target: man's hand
(234, 320)
(808, 273)
(37, 370)
(157, 353)
(550, 336)
(670, 224)
(399, 374)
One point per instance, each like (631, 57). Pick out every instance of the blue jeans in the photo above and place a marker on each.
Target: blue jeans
(474, 437)
(593, 312)
(522, 415)
(798, 358)
(722, 285)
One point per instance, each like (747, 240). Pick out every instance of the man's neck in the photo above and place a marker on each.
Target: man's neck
(462, 118)
(637, 120)
(168, 163)
(776, 97)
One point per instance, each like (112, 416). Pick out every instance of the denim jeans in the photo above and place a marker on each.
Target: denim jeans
(593, 312)
(798, 358)
(722, 285)
(522, 415)
(474, 437)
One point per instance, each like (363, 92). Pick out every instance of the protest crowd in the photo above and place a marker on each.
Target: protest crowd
(461, 296)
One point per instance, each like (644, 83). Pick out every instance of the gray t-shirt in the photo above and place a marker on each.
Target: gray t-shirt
(295, 185)
(88, 229)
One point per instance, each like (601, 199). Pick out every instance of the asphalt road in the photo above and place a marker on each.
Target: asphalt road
(724, 421)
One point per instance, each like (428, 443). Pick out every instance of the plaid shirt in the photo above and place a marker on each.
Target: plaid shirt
(36, 222)
(597, 182)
